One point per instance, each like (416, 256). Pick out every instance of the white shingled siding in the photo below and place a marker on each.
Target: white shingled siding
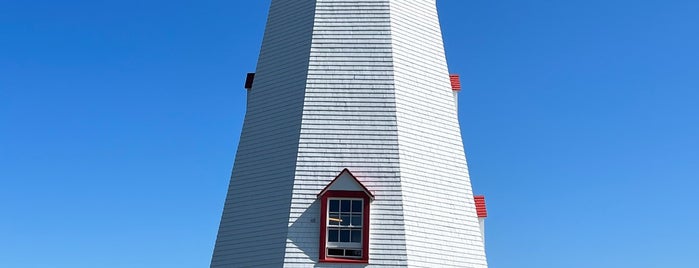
(349, 122)
(441, 224)
(253, 226)
(357, 84)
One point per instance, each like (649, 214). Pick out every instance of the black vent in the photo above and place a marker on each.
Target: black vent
(248, 80)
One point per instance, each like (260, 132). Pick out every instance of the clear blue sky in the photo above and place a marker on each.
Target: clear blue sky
(119, 122)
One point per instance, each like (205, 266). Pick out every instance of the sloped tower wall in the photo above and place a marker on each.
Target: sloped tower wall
(357, 84)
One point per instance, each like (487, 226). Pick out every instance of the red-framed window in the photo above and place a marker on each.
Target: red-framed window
(344, 228)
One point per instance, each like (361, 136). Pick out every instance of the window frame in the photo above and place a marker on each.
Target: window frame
(344, 195)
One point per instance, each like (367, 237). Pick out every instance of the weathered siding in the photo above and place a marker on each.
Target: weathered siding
(349, 121)
(357, 84)
(254, 223)
(441, 224)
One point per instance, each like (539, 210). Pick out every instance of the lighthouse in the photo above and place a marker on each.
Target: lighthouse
(351, 153)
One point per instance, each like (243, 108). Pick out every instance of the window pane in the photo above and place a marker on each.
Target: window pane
(336, 252)
(356, 220)
(353, 253)
(345, 206)
(333, 235)
(356, 206)
(345, 220)
(334, 219)
(356, 236)
(334, 205)
(344, 235)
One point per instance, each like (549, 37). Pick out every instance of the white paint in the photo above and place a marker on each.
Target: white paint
(456, 100)
(345, 182)
(481, 222)
(436, 188)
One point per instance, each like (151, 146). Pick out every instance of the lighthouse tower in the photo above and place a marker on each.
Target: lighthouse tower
(351, 152)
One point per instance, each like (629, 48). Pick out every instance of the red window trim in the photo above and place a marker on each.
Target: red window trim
(324, 222)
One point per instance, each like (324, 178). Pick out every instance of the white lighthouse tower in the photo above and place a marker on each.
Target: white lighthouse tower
(351, 152)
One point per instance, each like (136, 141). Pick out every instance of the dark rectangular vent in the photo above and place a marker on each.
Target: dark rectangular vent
(248, 80)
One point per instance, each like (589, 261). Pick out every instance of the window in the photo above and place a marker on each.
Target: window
(344, 228)
(344, 223)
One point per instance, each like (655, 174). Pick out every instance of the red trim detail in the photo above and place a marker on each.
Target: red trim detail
(324, 221)
(480, 206)
(335, 260)
(455, 82)
(353, 177)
